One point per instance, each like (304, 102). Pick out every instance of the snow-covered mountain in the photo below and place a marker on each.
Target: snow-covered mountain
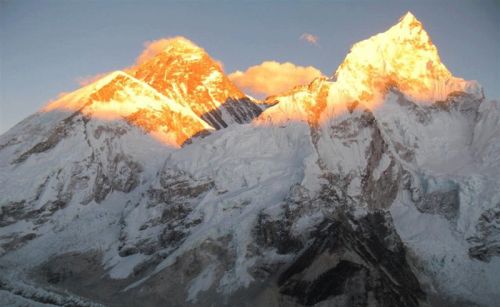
(119, 96)
(376, 187)
(184, 72)
(403, 57)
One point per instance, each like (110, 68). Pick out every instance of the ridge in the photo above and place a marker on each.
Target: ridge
(403, 57)
(119, 96)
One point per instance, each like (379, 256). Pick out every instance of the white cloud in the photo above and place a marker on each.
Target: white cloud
(271, 78)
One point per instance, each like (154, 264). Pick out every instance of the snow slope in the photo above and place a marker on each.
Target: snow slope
(389, 200)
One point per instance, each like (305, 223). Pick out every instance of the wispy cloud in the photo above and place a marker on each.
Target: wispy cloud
(271, 77)
(86, 80)
(310, 38)
(220, 63)
(152, 48)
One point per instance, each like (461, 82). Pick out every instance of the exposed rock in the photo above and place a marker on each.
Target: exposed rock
(56, 135)
(486, 242)
(353, 262)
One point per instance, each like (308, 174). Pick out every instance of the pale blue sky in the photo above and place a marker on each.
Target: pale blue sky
(46, 45)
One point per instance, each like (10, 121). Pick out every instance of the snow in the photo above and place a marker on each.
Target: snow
(126, 266)
(214, 76)
(257, 173)
(306, 223)
(201, 283)
(252, 168)
(443, 255)
(123, 95)
(9, 299)
(403, 56)
(381, 167)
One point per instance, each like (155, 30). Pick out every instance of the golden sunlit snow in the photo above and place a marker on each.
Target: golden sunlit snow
(175, 83)
(402, 57)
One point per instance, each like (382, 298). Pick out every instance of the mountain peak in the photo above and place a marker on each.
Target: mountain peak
(120, 96)
(409, 19)
(186, 73)
(180, 45)
(76, 100)
(110, 76)
(409, 27)
(403, 56)
(182, 42)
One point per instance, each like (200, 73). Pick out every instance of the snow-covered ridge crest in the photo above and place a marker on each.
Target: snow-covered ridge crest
(172, 78)
(119, 96)
(403, 57)
(184, 47)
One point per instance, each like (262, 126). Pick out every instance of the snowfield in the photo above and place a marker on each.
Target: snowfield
(327, 198)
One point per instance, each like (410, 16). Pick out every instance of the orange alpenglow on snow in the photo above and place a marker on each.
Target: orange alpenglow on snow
(402, 57)
(174, 92)
(184, 70)
(185, 73)
(119, 96)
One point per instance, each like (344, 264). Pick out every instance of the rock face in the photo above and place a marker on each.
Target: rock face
(353, 263)
(393, 202)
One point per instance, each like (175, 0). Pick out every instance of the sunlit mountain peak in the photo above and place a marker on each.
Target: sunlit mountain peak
(180, 45)
(403, 57)
(175, 92)
(409, 19)
(186, 73)
(119, 96)
(182, 70)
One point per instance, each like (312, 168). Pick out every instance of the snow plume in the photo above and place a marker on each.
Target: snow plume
(310, 38)
(220, 63)
(271, 77)
(86, 80)
(152, 48)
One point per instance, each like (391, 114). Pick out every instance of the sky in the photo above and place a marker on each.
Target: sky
(48, 46)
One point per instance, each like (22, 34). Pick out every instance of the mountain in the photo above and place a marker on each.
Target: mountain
(185, 73)
(403, 57)
(375, 187)
(119, 96)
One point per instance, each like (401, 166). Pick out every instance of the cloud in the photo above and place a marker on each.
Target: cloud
(86, 80)
(152, 48)
(220, 63)
(310, 38)
(271, 78)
